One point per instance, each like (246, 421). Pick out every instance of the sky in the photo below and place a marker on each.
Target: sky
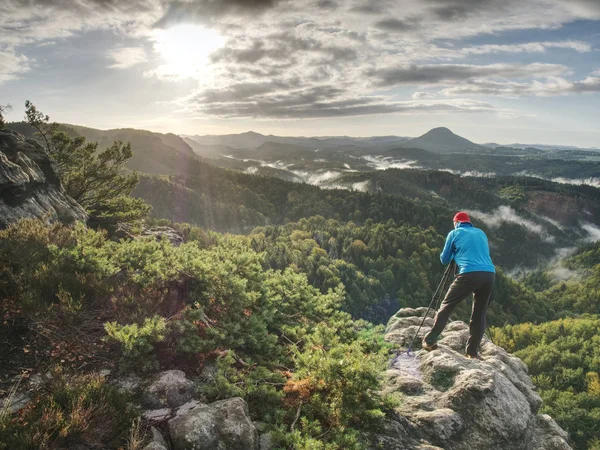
(502, 71)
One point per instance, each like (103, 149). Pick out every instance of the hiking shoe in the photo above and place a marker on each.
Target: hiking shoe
(429, 347)
(473, 357)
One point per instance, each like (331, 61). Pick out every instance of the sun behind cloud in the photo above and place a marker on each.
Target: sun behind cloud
(185, 50)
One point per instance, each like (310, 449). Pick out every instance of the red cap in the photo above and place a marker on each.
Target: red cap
(461, 217)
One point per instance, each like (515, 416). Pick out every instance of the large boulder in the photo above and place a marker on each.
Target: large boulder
(456, 403)
(168, 389)
(222, 425)
(29, 184)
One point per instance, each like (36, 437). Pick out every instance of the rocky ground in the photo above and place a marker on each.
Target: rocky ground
(447, 402)
(455, 403)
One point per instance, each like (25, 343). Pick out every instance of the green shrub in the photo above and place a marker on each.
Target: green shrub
(138, 342)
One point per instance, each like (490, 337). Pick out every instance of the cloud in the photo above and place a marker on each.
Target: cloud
(282, 100)
(419, 95)
(316, 178)
(13, 65)
(394, 25)
(593, 232)
(551, 86)
(382, 163)
(506, 214)
(590, 181)
(414, 74)
(476, 173)
(527, 47)
(126, 57)
(362, 186)
(289, 59)
(206, 11)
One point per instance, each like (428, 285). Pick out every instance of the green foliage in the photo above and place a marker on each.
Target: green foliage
(82, 409)
(210, 300)
(563, 357)
(39, 263)
(513, 193)
(137, 342)
(94, 179)
(259, 385)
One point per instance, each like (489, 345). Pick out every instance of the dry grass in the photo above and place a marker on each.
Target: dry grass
(137, 434)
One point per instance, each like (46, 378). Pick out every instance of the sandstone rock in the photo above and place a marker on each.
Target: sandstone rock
(126, 231)
(155, 446)
(174, 236)
(130, 384)
(157, 415)
(168, 389)
(14, 403)
(224, 424)
(456, 403)
(266, 442)
(29, 184)
(158, 437)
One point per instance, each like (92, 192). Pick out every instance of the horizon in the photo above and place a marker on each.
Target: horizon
(516, 72)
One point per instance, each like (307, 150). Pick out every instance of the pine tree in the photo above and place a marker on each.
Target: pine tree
(97, 180)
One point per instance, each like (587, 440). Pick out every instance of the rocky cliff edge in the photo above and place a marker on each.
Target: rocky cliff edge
(455, 403)
(29, 184)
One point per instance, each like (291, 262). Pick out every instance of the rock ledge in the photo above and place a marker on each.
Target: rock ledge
(451, 402)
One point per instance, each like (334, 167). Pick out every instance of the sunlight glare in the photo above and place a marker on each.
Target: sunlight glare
(186, 49)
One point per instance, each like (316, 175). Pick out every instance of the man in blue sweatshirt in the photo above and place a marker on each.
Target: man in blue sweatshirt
(468, 247)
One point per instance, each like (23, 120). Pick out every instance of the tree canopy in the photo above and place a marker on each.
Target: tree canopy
(97, 180)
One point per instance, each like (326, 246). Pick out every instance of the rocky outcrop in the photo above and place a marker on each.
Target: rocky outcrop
(455, 403)
(29, 184)
(192, 424)
(168, 389)
(224, 424)
(127, 231)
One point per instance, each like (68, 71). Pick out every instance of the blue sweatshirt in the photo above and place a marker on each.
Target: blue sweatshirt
(468, 246)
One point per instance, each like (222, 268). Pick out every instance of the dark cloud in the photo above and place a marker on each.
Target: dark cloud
(85, 5)
(286, 100)
(284, 49)
(451, 13)
(439, 73)
(241, 91)
(326, 4)
(205, 11)
(394, 25)
(457, 10)
(370, 7)
(275, 110)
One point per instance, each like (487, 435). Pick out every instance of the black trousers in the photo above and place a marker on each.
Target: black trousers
(478, 283)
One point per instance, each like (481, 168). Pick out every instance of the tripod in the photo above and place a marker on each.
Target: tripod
(437, 298)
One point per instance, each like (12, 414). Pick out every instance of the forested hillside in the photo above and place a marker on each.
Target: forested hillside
(563, 356)
(272, 309)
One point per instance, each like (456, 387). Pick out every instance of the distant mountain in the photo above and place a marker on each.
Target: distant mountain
(550, 147)
(541, 147)
(208, 151)
(441, 140)
(251, 139)
(152, 152)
